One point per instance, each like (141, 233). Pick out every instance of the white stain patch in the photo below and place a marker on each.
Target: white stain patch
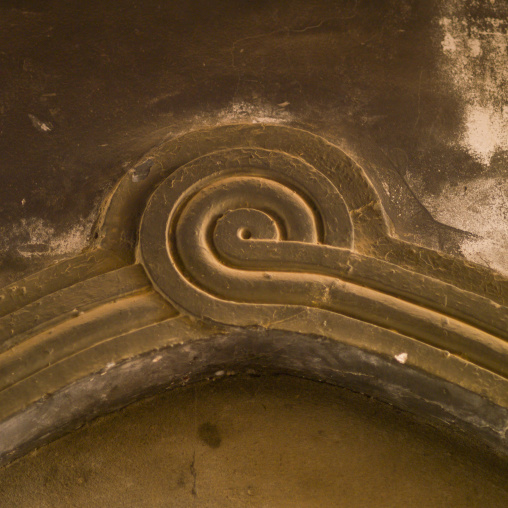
(480, 208)
(35, 237)
(486, 130)
(475, 46)
(251, 112)
(449, 43)
(475, 64)
(402, 358)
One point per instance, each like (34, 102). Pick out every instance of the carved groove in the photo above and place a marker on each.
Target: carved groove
(234, 248)
(56, 277)
(45, 351)
(261, 236)
(68, 303)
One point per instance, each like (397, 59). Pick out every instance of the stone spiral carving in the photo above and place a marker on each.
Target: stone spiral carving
(205, 231)
(254, 246)
(250, 237)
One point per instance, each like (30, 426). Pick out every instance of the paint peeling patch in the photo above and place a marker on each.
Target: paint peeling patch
(474, 63)
(402, 358)
(141, 171)
(108, 367)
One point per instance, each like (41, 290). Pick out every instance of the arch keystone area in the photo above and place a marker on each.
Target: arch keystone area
(253, 247)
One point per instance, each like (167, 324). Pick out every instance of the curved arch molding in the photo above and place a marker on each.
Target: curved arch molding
(253, 247)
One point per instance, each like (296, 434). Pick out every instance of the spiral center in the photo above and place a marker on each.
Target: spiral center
(244, 233)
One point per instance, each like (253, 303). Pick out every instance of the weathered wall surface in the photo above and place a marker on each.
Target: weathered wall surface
(86, 89)
(256, 442)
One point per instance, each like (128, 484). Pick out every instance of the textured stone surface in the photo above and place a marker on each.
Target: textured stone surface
(218, 180)
(257, 442)
(416, 86)
(299, 260)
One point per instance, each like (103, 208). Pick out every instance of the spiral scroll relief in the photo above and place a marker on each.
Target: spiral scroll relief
(254, 245)
(232, 231)
(250, 237)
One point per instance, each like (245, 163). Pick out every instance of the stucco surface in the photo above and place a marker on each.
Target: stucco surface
(86, 89)
(257, 441)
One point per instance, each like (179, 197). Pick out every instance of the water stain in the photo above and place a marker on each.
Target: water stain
(210, 435)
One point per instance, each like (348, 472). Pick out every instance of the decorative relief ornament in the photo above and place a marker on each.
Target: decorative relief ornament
(255, 247)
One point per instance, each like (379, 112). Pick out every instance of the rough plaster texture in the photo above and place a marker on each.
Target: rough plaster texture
(480, 207)
(474, 64)
(86, 90)
(414, 86)
(474, 60)
(248, 441)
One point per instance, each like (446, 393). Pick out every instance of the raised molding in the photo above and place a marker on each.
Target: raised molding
(253, 246)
